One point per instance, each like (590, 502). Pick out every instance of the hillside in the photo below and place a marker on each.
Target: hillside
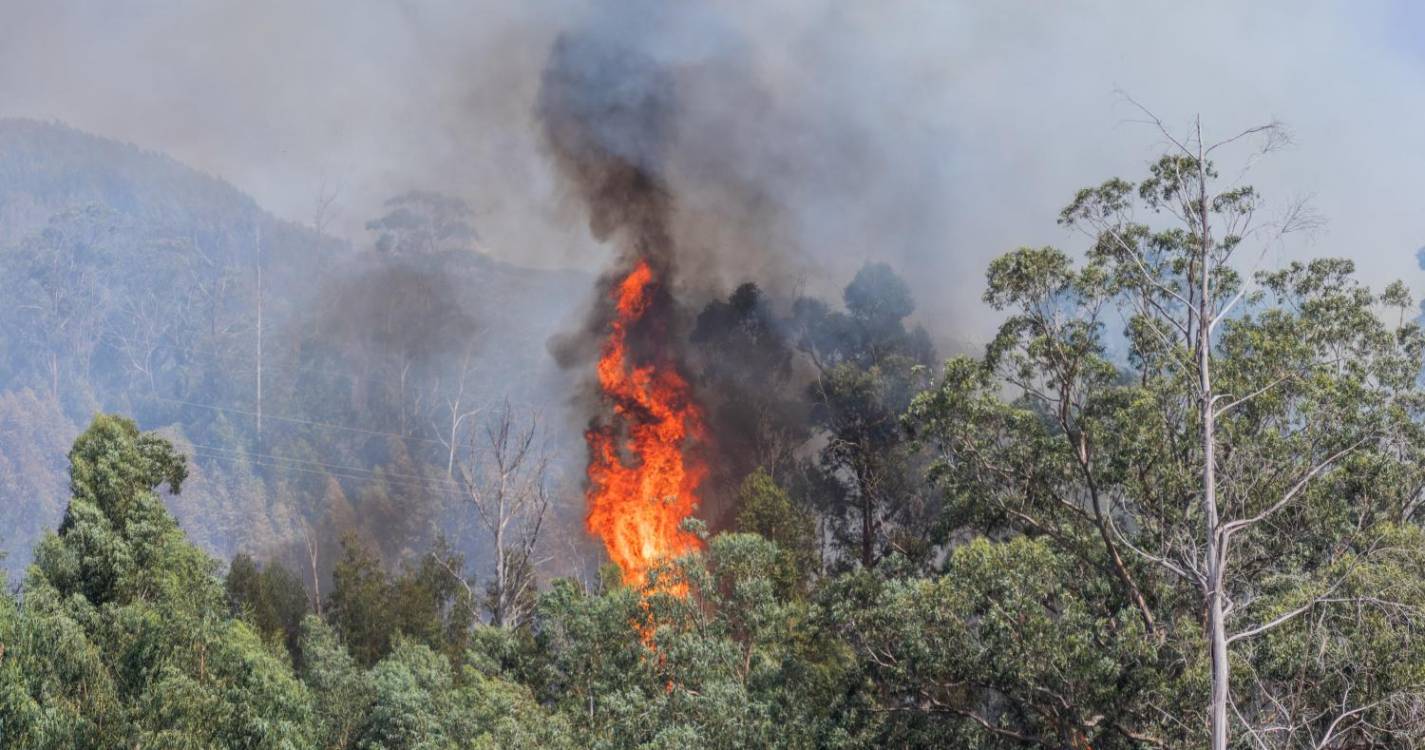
(130, 283)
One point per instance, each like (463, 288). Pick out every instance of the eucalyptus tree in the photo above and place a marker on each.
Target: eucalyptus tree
(1241, 462)
(868, 365)
(122, 637)
(726, 664)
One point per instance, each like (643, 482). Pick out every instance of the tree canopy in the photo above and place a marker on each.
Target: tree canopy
(1175, 501)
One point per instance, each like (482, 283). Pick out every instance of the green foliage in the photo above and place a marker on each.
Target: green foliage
(123, 637)
(1024, 636)
(767, 510)
(369, 608)
(1026, 526)
(272, 599)
(727, 666)
(114, 467)
(869, 368)
(341, 690)
(358, 605)
(1016, 626)
(1097, 457)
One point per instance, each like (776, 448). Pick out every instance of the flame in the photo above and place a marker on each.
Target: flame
(636, 506)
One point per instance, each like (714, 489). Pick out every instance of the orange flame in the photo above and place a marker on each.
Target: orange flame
(636, 506)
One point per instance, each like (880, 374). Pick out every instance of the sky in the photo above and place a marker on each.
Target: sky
(931, 134)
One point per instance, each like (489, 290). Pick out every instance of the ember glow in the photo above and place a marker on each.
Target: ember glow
(642, 480)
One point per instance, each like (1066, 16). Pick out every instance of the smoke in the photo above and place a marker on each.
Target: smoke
(637, 110)
(933, 135)
(400, 309)
(608, 114)
(786, 142)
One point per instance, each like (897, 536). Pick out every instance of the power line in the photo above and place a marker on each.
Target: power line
(293, 368)
(296, 368)
(295, 420)
(404, 484)
(370, 473)
(399, 479)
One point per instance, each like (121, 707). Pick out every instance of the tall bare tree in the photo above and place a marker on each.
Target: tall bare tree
(324, 207)
(1234, 467)
(507, 477)
(459, 407)
(1185, 282)
(257, 236)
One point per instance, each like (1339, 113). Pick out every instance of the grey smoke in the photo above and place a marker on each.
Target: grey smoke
(608, 114)
(931, 134)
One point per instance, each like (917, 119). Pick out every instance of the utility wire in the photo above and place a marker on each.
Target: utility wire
(370, 473)
(403, 484)
(295, 420)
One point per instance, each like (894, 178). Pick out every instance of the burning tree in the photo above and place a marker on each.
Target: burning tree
(637, 506)
(608, 118)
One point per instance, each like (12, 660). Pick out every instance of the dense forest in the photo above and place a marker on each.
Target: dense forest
(1175, 500)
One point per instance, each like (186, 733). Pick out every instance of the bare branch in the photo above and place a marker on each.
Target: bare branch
(1233, 526)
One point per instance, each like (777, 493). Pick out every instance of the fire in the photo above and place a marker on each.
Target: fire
(636, 505)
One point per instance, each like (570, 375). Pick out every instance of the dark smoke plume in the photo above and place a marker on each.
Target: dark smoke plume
(608, 114)
(611, 115)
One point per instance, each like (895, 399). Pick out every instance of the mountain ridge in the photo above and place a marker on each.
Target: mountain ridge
(130, 284)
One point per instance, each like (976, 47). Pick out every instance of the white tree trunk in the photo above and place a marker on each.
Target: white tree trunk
(1215, 560)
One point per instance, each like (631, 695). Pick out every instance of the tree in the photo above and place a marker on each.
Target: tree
(122, 638)
(868, 368)
(358, 608)
(1198, 296)
(1232, 473)
(506, 476)
(458, 408)
(751, 392)
(343, 692)
(722, 667)
(324, 206)
(1012, 645)
(417, 699)
(372, 609)
(433, 604)
(56, 296)
(421, 222)
(271, 598)
(766, 510)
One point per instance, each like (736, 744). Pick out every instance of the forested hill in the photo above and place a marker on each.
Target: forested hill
(130, 282)
(46, 168)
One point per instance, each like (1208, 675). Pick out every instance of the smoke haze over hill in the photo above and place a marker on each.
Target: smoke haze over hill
(901, 130)
(800, 140)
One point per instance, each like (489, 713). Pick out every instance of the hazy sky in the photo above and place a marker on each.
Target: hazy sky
(932, 134)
